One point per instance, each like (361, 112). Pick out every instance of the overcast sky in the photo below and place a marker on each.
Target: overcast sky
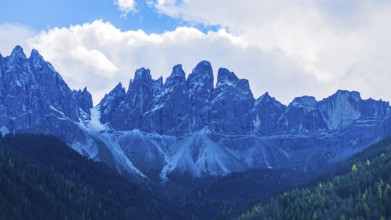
(286, 47)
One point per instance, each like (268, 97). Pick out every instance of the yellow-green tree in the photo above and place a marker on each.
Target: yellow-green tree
(354, 168)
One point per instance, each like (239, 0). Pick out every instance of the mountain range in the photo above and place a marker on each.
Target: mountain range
(187, 125)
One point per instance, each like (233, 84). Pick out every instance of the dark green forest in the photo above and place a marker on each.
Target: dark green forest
(226, 195)
(359, 188)
(42, 178)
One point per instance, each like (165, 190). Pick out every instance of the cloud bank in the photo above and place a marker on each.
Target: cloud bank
(342, 43)
(289, 48)
(98, 55)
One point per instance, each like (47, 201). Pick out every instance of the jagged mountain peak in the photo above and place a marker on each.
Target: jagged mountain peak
(38, 63)
(203, 63)
(342, 91)
(157, 86)
(265, 113)
(266, 99)
(84, 100)
(17, 55)
(244, 87)
(119, 87)
(341, 109)
(177, 69)
(84, 90)
(226, 77)
(302, 115)
(227, 81)
(200, 87)
(142, 81)
(304, 102)
(158, 83)
(37, 100)
(345, 94)
(18, 51)
(111, 101)
(159, 80)
(201, 74)
(35, 54)
(200, 83)
(36, 59)
(177, 76)
(203, 68)
(265, 96)
(142, 78)
(142, 73)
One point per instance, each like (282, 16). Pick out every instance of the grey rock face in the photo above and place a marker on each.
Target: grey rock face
(34, 98)
(177, 107)
(200, 85)
(265, 115)
(302, 114)
(110, 102)
(84, 100)
(173, 105)
(137, 101)
(181, 106)
(343, 108)
(231, 103)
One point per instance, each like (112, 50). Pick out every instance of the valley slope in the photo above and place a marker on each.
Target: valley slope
(358, 188)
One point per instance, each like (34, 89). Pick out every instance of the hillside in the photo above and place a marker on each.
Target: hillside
(42, 178)
(358, 188)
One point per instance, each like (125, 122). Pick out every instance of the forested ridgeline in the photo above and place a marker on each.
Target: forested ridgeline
(42, 178)
(358, 188)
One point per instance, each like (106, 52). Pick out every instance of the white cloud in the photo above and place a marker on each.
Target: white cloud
(12, 35)
(330, 39)
(98, 55)
(125, 6)
(289, 48)
(94, 58)
(168, 7)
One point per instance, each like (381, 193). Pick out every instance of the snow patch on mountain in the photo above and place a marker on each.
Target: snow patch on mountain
(94, 122)
(100, 132)
(4, 131)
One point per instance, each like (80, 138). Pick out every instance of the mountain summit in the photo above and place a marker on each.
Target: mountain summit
(34, 98)
(186, 124)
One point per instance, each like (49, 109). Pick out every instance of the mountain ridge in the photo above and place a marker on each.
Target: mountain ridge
(187, 125)
(230, 88)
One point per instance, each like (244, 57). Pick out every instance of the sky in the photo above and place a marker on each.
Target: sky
(288, 48)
